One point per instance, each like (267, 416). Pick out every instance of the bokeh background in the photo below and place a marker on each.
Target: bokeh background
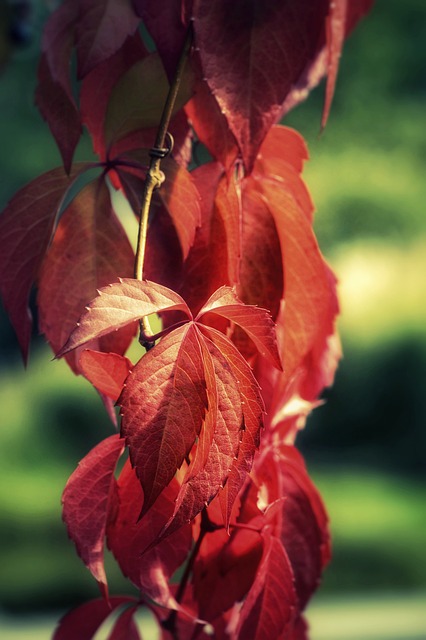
(365, 447)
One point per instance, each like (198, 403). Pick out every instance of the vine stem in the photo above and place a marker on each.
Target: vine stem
(154, 177)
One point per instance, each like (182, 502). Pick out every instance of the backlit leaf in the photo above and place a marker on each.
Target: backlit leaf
(106, 371)
(252, 52)
(102, 28)
(121, 304)
(256, 322)
(89, 250)
(96, 88)
(145, 87)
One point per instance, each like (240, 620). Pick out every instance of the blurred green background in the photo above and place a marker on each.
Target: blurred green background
(365, 448)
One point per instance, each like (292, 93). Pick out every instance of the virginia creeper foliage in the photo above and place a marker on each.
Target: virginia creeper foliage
(212, 484)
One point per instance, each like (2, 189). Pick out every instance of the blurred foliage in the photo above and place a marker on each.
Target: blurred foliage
(366, 446)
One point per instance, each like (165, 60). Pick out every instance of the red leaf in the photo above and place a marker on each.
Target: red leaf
(85, 620)
(201, 486)
(54, 94)
(163, 405)
(252, 53)
(206, 267)
(89, 497)
(269, 609)
(309, 293)
(26, 227)
(89, 250)
(343, 16)
(128, 539)
(96, 89)
(167, 25)
(225, 569)
(119, 305)
(102, 28)
(178, 195)
(125, 627)
(252, 407)
(257, 323)
(58, 108)
(106, 371)
(297, 514)
(210, 123)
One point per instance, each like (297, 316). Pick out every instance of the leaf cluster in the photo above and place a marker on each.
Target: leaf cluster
(211, 480)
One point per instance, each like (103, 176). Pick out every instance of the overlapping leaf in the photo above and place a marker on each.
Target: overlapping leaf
(297, 515)
(89, 250)
(54, 95)
(89, 498)
(119, 305)
(102, 28)
(106, 371)
(96, 88)
(269, 609)
(129, 539)
(26, 227)
(178, 197)
(84, 621)
(252, 52)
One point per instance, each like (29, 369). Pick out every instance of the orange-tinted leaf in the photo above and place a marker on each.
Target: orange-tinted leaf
(119, 305)
(89, 250)
(106, 371)
(103, 26)
(297, 515)
(210, 123)
(206, 267)
(26, 227)
(89, 497)
(268, 611)
(129, 539)
(256, 322)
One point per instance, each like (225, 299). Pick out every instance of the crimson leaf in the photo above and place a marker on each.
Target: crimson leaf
(26, 227)
(85, 620)
(102, 28)
(89, 497)
(269, 609)
(54, 94)
(128, 538)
